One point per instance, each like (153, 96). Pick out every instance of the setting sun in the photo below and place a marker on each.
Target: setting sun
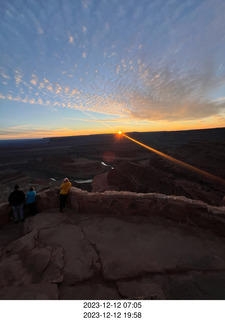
(119, 132)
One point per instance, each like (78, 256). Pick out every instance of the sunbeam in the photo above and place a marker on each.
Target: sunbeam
(207, 175)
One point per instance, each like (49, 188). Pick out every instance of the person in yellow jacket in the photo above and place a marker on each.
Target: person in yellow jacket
(64, 190)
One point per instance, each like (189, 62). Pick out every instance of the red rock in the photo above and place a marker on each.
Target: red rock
(12, 272)
(142, 289)
(30, 292)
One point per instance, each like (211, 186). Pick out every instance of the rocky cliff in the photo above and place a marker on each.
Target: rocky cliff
(162, 176)
(114, 245)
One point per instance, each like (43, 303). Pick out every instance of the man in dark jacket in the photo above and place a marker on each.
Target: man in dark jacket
(16, 199)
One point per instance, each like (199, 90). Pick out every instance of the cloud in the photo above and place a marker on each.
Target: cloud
(164, 95)
(74, 92)
(26, 100)
(18, 79)
(118, 69)
(49, 88)
(144, 108)
(85, 3)
(220, 99)
(4, 75)
(40, 101)
(165, 92)
(101, 120)
(71, 40)
(59, 88)
(40, 31)
(155, 60)
(34, 80)
(38, 132)
(20, 127)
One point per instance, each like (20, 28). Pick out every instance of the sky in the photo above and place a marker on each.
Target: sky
(77, 67)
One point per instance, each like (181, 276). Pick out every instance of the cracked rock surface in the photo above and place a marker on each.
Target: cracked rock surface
(96, 256)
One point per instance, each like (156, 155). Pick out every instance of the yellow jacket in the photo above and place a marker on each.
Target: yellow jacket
(65, 187)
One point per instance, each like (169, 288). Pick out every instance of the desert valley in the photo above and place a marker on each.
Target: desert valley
(111, 162)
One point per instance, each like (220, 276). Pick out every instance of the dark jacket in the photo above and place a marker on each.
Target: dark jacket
(16, 198)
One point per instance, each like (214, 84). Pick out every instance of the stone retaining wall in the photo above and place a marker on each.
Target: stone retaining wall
(179, 209)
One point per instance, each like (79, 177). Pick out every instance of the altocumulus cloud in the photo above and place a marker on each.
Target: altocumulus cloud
(154, 60)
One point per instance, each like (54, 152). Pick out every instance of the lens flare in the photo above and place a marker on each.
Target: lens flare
(119, 132)
(180, 163)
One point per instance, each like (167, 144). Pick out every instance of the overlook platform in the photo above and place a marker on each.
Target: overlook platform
(122, 255)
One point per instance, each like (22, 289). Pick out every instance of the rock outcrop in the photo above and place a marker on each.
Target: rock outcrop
(161, 176)
(116, 245)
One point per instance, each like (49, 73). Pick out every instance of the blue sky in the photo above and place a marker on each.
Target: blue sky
(97, 66)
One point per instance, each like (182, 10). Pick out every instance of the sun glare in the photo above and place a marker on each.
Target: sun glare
(181, 163)
(119, 132)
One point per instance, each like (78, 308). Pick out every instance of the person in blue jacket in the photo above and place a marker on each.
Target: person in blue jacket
(31, 201)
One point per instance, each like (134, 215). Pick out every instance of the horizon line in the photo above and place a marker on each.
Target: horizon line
(95, 134)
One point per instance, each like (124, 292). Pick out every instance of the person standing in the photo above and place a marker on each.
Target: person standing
(16, 199)
(31, 201)
(64, 190)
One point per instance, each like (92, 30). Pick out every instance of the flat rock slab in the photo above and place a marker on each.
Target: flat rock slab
(80, 259)
(43, 221)
(13, 272)
(53, 251)
(94, 256)
(195, 286)
(89, 291)
(10, 232)
(30, 292)
(143, 288)
(129, 250)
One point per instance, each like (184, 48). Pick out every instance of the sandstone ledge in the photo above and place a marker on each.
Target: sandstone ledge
(91, 256)
(115, 245)
(176, 208)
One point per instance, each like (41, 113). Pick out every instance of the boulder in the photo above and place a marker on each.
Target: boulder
(100, 183)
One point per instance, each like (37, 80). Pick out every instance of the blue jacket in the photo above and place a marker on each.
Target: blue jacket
(31, 197)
